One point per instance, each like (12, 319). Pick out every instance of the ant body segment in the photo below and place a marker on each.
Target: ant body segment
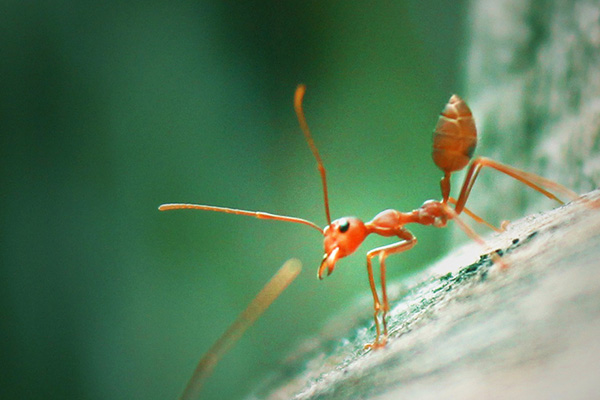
(454, 142)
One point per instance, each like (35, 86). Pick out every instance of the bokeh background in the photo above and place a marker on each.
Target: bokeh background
(110, 109)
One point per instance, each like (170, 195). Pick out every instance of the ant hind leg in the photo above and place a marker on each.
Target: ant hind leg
(534, 181)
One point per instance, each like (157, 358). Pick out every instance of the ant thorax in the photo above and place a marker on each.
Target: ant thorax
(433, 212)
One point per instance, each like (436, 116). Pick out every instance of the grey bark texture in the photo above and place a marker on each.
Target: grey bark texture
(533, 83)
(468, 328)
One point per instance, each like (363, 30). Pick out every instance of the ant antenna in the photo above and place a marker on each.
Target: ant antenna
(298, 96)
(256, 214)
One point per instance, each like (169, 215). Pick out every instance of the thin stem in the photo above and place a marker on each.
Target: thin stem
(278, 283)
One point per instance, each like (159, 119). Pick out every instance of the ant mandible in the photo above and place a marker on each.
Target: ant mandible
(454, 141)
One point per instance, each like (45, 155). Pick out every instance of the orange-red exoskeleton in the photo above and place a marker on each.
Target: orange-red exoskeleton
(454, 141)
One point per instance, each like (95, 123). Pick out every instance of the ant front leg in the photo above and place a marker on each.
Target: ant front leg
(406, 244)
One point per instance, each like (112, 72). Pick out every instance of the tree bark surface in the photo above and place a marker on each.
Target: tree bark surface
(533, 83)
(470, 328)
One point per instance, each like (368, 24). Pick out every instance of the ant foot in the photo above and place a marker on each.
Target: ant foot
(497, 260)
(377, 344)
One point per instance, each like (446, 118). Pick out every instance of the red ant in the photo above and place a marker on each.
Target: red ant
(454, 141)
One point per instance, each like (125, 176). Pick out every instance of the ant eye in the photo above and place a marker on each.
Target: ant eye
(344, 225)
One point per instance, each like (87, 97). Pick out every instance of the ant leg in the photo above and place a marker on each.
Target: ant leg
(476, 217)
(534, 181)
(376, 303)
(382, 252)
(386, 304)
(452, 214)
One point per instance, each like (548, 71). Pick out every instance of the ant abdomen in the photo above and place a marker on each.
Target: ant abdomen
(454, 137)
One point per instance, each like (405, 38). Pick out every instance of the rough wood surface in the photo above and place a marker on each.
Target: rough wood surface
(467, 328)
(532, 81)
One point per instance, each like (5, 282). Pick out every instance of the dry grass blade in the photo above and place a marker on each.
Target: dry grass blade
(286, 275)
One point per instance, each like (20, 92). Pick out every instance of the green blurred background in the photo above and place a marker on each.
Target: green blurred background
(110, 109)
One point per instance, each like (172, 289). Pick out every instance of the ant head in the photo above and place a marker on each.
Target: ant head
(342, 238)
(344, 235)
